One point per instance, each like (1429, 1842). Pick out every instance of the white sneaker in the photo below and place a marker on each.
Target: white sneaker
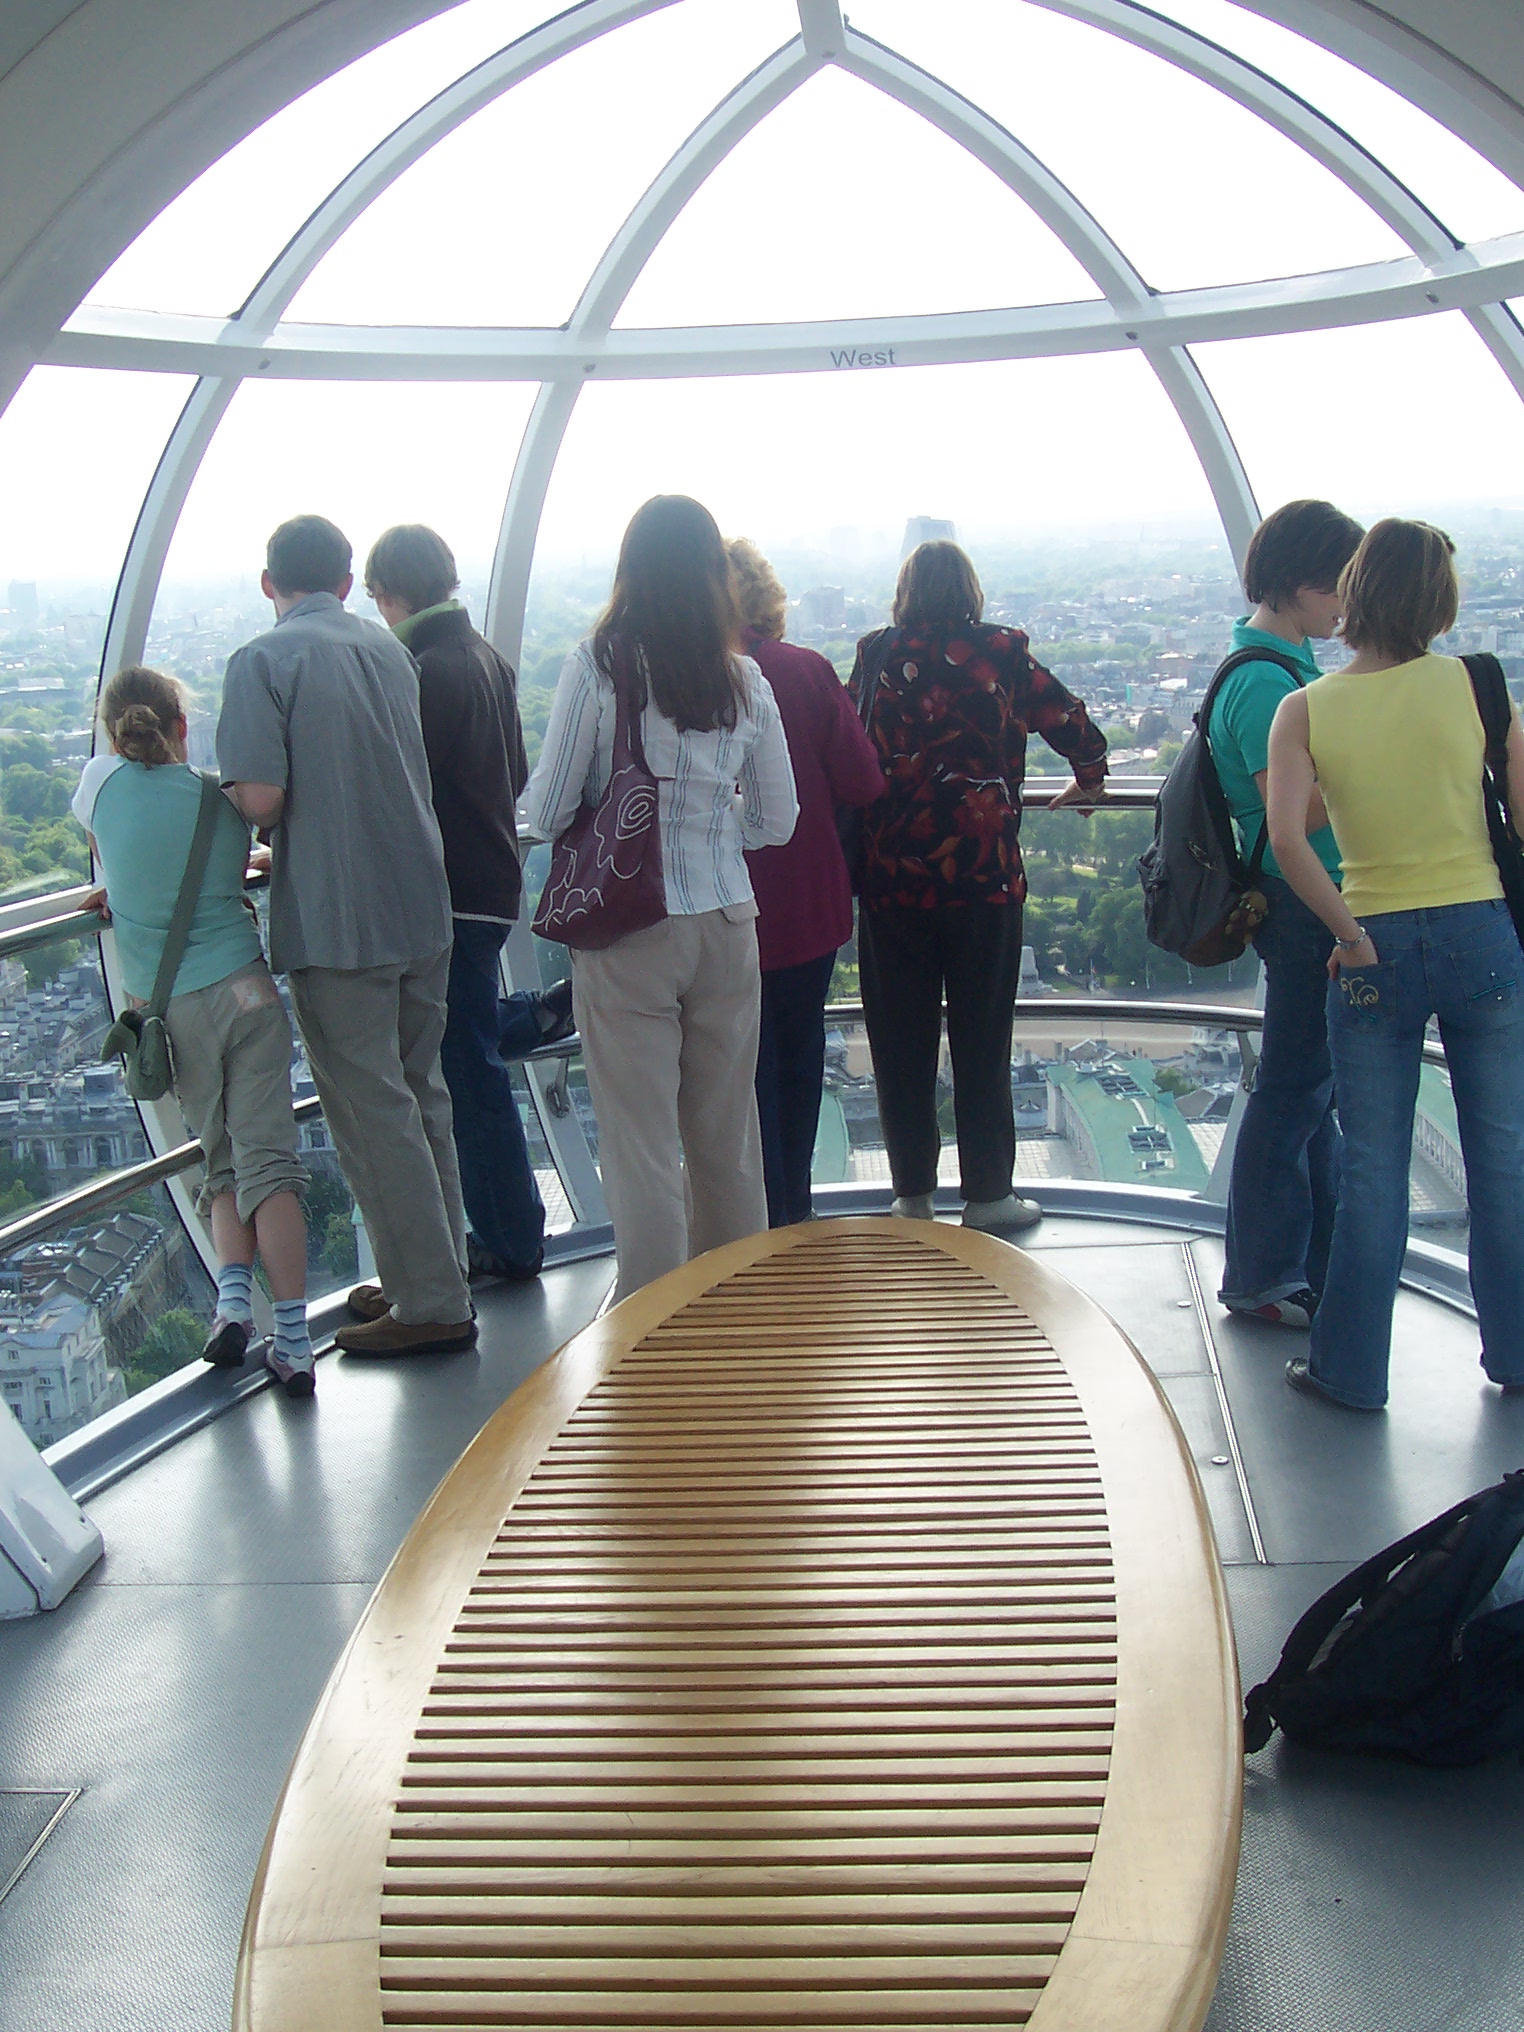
(918, 1207)
(1001, 1216)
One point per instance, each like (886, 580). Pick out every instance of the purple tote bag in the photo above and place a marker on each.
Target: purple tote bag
(605, 876)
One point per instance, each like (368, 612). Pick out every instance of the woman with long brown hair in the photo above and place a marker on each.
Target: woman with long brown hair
(949, 703)
(669, 1015)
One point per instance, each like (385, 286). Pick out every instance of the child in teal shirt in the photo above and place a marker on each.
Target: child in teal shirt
(230, 1040)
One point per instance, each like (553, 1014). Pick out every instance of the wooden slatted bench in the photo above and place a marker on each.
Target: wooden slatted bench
(831, 1636)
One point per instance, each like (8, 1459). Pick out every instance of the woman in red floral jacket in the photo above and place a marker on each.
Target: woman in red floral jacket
(953, 702)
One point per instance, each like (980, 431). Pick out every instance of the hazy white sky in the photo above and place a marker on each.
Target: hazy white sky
(840, 204)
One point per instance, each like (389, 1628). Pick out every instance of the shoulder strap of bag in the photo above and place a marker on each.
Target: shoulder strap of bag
(873, 671)
(1489, 687)
(189, 896)
(1225, 670)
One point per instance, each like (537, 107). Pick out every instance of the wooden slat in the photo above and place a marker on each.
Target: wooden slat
(830, 1637)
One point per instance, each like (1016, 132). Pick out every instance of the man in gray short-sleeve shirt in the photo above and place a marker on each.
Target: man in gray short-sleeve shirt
(321, 742)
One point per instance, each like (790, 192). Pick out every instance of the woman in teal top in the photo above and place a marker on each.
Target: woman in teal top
(1285, 1178)
(230, 1040)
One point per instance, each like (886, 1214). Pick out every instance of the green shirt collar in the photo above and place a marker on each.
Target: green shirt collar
(1245, 637)
(404, 628)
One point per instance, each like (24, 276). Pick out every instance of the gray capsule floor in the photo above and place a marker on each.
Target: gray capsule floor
(173, 1686)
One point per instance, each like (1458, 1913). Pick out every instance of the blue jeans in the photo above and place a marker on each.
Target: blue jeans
(502, 1200)
(1462, 964)
(790, 1072)
(1286, 1161)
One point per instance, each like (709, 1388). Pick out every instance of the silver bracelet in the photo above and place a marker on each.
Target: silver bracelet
(1349, 944)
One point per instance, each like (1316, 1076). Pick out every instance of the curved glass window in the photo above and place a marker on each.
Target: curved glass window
(78, 447)
(843, 203)
(1180, 176)
(1021, 446)
(205, 252)
(503, 222)
(1410, 418)
(1461, 187)
(365, 454)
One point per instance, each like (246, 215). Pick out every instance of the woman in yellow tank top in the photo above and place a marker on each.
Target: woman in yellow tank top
(1395, 743)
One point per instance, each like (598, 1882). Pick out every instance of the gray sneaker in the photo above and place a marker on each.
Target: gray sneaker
(917, 1206)
(1001, 1216)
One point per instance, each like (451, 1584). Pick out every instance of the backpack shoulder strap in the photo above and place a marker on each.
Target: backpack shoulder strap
(1329, 1610)
(190, 894)
(1236, 661)
(1220, 675)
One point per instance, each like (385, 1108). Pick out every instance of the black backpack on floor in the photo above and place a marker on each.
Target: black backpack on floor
(1394, 1661)
(1199, 895)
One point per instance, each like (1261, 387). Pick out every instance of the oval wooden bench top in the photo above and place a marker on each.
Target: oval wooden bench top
(832, 1635)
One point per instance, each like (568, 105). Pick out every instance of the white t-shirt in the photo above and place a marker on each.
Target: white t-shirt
(92, 777)
(718, 793)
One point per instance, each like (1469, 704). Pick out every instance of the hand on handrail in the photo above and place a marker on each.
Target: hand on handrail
(96, 901)
(1073, 797)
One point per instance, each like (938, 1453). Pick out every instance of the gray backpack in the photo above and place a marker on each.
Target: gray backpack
(1200, 897)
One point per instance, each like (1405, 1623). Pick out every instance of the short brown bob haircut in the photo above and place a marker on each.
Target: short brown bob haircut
(1306, 543)
(674, 602)
(938, 588)
(1400, 589)
(308, 554)
(759, 590)
(411, 563)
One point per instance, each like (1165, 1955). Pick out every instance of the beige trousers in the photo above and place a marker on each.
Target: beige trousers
(372, 1036)
(232, 1055)
(669, 1021)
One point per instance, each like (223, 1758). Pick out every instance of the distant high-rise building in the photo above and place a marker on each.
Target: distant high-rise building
(926, 529)
(822, 607)
(21, 598)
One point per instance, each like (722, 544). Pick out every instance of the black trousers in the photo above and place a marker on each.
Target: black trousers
(910, 959)
(790, 1069)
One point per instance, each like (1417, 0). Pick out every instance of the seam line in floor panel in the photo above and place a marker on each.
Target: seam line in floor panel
(1204, 1321)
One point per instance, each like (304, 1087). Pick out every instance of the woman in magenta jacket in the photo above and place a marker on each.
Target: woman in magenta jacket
(803, 891)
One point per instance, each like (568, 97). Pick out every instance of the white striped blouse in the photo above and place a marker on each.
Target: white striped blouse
(718, 794)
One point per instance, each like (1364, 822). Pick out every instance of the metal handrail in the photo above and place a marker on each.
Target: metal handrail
(1221, 1015)
(46, 931)
(1123, 793)
(116, 1186)
(34, 932)
(119, 1185)
(1104, 1009)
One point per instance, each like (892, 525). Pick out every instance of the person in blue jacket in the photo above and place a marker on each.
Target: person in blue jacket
(1286, 1163)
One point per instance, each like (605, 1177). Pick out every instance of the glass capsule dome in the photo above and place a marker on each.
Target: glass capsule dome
(1045, 263)
(1061, 258)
